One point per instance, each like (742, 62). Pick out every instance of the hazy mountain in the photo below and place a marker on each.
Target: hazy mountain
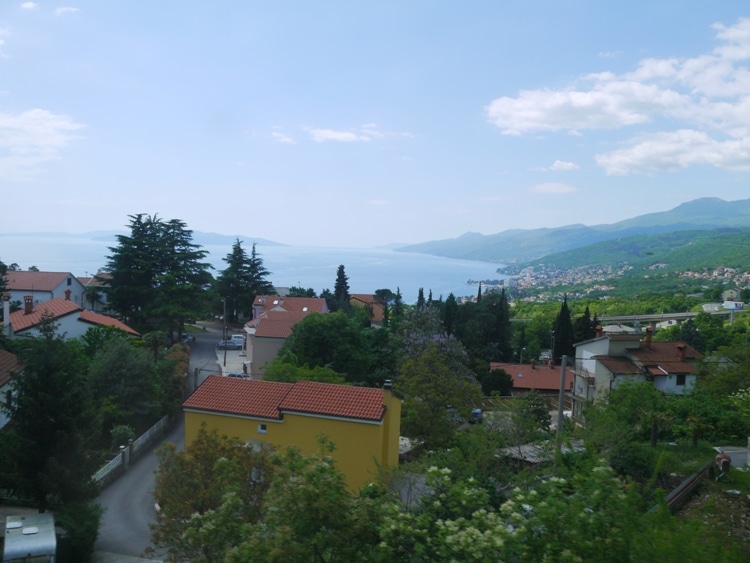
(520, 245)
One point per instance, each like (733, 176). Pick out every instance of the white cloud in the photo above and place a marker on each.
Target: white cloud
(561, 165)
(29, 5)
(323, 135)
(700, 104)
(66, 10)
(283, 138)
(29, 139)
(553, 188)
(675, 150)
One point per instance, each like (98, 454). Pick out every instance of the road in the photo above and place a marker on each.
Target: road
(128, 501)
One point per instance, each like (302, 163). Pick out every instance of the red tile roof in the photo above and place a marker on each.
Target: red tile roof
(244, 397)
(60, 307)
(37, 281)
(539, 377)
(57, 308)
(9, 365)
(276, 324)
(335, 400)
(290, 304)
(103, 320)
(270, 399)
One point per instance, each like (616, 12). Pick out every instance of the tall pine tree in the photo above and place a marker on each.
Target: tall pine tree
(563, 337)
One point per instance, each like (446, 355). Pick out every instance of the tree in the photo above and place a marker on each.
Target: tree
(331, 340)
(53, 418)
(341, 291)
(124, 384)
(311, 516)
(563, 334)
(450, 315)
(194, 483)
(158, 277)
(584, 328)
(432, 383)
(420, 298)
(244, 278)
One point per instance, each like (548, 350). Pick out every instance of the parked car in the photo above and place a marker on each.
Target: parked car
(476, 416)
(230, 345)
(237, 374)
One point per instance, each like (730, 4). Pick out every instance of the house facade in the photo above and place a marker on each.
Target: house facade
(272, 322)
(363, 422)
(73, 321)
(44, 286)
(609, 360)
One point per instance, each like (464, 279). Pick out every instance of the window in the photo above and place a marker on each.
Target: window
(681, 379)
(70, 281)
(262, 429)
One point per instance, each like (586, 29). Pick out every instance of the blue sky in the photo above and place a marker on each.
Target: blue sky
(360, 124)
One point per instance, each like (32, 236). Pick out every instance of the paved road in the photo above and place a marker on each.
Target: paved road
(128, 501)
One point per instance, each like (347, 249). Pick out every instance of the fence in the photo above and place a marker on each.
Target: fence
(130, 453)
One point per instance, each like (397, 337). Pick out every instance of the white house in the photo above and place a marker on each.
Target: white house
(608, 360)
(43, 286)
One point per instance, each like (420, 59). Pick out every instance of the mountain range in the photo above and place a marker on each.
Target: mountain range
(526, 245)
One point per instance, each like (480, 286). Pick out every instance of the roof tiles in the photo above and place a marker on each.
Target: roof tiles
(270, 399)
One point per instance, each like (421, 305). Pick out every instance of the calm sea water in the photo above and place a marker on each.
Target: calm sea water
(367, 269)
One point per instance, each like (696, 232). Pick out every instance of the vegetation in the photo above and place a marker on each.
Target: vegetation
(157, 275)
(244, 278)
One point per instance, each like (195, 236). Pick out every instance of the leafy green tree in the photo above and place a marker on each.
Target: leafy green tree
(341, 291)
(53, 419)
(450, 315)
(420, 298)
(298, 291)
(234, 283)
(431, 382)
(310, 515)
(193, 483)
(157, 275)
(563, 334)
(584, 327)
(124, 384)
(331, 340)
(290, 373)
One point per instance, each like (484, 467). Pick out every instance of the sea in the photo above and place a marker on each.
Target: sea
(367, 269)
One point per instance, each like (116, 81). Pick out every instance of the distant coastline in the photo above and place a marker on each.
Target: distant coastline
(309, 267)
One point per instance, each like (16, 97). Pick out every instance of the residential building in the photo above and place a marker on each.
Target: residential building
(363, 422)
(44, 286)
(371, 304)
(544, 378)
(73, 321)
(609, 360)
(95, 294)
(272, 322)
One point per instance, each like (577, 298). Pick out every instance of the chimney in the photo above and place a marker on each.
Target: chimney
(599, 331)
(67, 295)
(551, 363)
(28, 304)
(533, 363)
(649, 333)
(681, 351)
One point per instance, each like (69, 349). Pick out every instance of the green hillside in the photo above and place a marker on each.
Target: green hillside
(678, 251)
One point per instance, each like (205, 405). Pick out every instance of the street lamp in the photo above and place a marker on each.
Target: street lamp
(224, 301)
(520, 355)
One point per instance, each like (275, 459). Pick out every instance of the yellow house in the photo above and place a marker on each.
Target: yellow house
(363, 422)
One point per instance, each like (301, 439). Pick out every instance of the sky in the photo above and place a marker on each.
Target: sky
(359, 124)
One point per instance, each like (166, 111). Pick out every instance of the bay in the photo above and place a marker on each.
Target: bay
(368, 269)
